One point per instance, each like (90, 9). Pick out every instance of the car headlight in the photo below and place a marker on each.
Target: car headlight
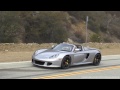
(54, 56)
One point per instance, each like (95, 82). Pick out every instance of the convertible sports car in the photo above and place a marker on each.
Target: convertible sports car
(65, 55)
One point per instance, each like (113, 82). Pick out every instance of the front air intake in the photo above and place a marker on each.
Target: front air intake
(49, 63)
(39, 62)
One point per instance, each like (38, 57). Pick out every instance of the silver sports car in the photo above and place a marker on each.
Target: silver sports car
(65, 55)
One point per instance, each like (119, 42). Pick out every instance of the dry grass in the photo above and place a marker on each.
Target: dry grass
(23, 52)
(15, 56)
(22, 47)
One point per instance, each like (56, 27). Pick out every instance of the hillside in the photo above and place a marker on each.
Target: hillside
(58, 26)
(103, 26)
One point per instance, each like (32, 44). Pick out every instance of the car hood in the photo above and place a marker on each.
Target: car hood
(48, 53)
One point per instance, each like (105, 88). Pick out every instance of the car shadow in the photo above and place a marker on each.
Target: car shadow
(83, 65)
(46, 67)
(58, 68)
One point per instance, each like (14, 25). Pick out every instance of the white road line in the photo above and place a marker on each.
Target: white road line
(111, 55)
(107, 57)
(15, 62)
(6, 65)
(30, 61)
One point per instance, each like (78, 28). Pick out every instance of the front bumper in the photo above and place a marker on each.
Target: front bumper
(47, 62)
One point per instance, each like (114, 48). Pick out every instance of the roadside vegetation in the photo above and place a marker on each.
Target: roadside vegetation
(58, 26)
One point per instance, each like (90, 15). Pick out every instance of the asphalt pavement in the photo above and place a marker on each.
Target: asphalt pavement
(108, 69)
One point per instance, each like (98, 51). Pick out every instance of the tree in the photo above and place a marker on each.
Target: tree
(47, 26)
(11, 28)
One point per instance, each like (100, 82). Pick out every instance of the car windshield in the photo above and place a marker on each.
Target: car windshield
(63, 47)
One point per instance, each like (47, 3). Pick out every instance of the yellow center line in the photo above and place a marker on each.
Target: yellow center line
(78, 72)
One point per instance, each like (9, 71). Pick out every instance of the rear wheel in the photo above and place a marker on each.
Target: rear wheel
(97, 59)
(66, 62)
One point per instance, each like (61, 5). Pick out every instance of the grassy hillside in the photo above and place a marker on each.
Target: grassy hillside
(58, 26)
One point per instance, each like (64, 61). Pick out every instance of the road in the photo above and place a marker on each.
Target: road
(108, 69)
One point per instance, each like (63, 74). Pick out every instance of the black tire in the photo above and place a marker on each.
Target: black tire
(66, 62)
(97, 59)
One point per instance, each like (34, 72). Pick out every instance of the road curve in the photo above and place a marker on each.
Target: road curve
(109, 68)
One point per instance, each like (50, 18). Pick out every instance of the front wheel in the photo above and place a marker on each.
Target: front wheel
(97, 59)
(66, 62)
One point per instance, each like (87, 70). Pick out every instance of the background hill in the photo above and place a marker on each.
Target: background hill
(58, 26)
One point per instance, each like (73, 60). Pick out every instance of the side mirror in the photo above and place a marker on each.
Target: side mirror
(53, 46)
(77, 49)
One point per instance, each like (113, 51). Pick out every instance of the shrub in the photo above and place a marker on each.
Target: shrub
(95, 38)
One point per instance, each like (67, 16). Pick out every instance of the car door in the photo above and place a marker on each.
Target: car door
(79, 57)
